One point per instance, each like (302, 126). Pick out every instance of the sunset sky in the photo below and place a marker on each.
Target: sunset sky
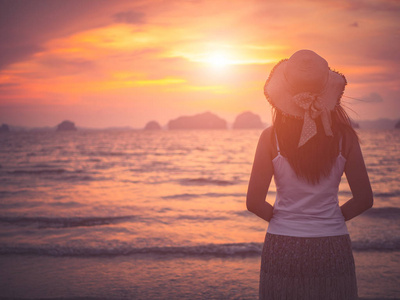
(124, 63)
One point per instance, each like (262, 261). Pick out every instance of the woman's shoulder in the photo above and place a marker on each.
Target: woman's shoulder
(268, 142)
(267, 133)
(268, 136)
(350, 141)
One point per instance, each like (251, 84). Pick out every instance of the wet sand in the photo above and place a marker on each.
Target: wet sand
(167, 277)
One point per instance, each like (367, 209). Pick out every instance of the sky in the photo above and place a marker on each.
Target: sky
(124, 63)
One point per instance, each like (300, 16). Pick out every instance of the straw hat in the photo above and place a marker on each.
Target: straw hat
(304, 86)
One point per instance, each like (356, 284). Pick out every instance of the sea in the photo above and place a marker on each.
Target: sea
(134, 214)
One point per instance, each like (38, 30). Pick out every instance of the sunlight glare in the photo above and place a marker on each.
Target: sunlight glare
(218, 59)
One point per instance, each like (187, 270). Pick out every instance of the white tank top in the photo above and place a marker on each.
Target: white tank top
(305, 210)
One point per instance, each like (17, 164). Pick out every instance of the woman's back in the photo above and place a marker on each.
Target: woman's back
(305, 209)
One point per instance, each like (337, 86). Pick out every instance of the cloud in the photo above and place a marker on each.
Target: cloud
(374, 6)
(68, 66)
(8, 85)
(129, 17)
(372, 98)
(26, 25)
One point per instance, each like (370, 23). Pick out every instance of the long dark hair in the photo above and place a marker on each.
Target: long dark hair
(313, 160)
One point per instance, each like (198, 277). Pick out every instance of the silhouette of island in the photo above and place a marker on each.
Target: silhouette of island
(205, 120)
(248, 120)
(397, 126)
(354, 124)
(66, 126)
(152, 125)
(378, 124)
(4, 128)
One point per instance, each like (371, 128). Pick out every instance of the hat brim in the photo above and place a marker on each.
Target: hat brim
(280, 95)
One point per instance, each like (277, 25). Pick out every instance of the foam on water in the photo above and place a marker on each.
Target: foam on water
(214, 250)
(46, 222)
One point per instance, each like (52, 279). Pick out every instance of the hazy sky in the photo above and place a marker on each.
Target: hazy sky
(124, 63)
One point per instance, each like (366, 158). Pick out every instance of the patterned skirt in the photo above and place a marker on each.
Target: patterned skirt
(307, 268)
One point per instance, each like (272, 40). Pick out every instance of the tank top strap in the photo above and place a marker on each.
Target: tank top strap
(277, 144)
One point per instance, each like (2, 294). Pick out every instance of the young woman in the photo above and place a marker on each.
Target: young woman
(307, 250)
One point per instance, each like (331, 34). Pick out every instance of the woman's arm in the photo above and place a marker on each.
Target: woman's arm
(260, 178)
(358, 180)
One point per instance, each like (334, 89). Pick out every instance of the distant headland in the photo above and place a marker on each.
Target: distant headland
(203, 121)
(4, 128)
(209, 120)
(152, 125)
(248, 120)
(66, 126)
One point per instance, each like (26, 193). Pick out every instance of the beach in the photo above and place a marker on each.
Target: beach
(168, 277)
(161, 215)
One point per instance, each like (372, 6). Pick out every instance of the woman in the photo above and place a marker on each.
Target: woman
(307, 250)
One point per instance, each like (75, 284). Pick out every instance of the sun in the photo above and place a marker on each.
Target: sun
(218, 59)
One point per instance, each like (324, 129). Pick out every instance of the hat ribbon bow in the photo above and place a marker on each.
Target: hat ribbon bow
(313, 107)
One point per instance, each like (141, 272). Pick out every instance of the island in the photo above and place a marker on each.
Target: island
(354, 124)
(4, 128)
(66, 126)
(248, 120)
(205, 120)
(152, 125)
(397, 126)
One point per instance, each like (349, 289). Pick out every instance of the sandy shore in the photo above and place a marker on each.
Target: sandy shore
(167, 277)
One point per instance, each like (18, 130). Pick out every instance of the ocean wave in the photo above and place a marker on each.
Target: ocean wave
(239, 249)
(93, 160)
(13, 193)
(215, 250)
(20, 204)
(205, 181)
(387, 195)
(58, 174)
(45, 222)
(201, 218)
(382, 246)
(37, 172)
(79, 178)
(111, 153)
(65, 204)
(188, 196)
(383, 212)
(49, 222)
(243, 213)
(43, 165)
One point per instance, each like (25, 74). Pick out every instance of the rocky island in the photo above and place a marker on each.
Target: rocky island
(354, 124)
(4, 128)
(205, 120)
(66, 126)
(248, 120)
(152, 125)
